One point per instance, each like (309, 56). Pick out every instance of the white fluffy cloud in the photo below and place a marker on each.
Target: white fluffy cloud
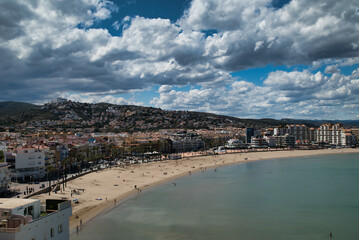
(284, 94)
(99, 98)
(50, 48)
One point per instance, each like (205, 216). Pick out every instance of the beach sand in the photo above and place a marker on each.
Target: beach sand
(107, 188)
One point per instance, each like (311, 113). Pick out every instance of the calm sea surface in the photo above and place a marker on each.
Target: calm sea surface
(296, 198)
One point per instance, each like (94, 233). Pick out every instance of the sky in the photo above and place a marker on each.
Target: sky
(249, 59)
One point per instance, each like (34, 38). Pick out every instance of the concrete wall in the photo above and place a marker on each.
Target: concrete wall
(41, 228)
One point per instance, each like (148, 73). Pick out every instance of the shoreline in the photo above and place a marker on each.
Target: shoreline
(116, 185)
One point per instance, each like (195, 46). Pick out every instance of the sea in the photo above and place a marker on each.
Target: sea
(287, 198)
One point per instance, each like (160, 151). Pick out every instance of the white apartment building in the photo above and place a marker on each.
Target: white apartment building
(27, 219)
(300, 132)
(26, 163)
(4, 177)
(271, 141)
(336, 135)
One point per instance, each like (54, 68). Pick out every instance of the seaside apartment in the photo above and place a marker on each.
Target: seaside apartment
(27, 219)
(26, 163)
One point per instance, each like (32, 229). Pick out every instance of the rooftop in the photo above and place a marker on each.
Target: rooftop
(11, 203)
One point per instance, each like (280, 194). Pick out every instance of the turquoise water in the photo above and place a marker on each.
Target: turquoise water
(297, 198)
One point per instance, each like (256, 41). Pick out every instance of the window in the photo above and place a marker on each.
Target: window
(59, 228)
(52, 232)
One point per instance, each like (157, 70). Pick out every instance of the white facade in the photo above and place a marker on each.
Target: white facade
(26, 162)
(234, 143)
(336, 135)
(271, 141)
(23, 219)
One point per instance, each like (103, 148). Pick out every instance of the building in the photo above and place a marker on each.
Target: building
(285, 141)
(329, 133)
(4, 177)
(280, 131)
(271, 141)
(258, 142)
(335, 135)
(355, 132)
(26, 163)
(348, 138)
(26, 219)
(251, 132)
(187, 144)
(235, 143)
(312, 135)
(299, 132)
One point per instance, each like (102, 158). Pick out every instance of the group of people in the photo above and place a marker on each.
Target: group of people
(139, 190)
(79, 227)
(29, 190)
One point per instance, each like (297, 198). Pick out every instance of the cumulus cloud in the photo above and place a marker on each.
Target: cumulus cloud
(99, 98)
(299, 32)
(284, 94)
(164, 89)
(51, 48)
(331, 69)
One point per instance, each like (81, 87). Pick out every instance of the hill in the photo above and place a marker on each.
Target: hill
(10, 107)
(18, 112)
(68, 114)
(110, 117)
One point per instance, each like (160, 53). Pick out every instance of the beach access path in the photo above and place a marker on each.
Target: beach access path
(100, 191)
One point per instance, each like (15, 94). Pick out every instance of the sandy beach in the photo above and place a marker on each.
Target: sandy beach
(100, 191)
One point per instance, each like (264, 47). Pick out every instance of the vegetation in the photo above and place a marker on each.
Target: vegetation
(104, 116)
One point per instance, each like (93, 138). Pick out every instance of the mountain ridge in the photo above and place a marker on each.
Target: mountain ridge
(132, 117)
